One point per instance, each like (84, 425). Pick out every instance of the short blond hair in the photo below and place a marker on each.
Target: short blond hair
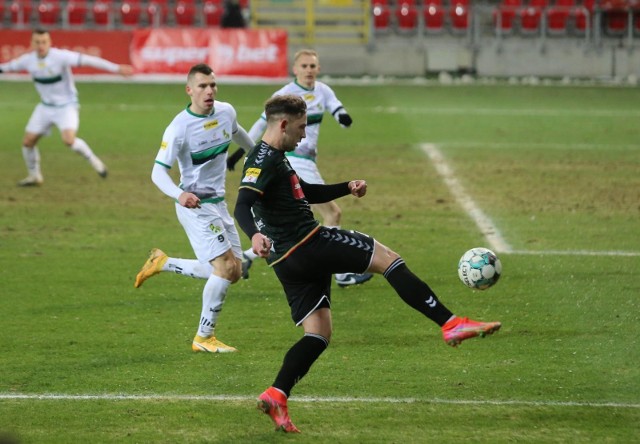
(307, 52)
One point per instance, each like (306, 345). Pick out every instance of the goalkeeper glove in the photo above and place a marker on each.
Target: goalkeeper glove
(345, 120)
(233, 159)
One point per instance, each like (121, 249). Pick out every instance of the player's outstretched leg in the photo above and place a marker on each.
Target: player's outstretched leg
(274, 403)
(458, 329)
(153, 265)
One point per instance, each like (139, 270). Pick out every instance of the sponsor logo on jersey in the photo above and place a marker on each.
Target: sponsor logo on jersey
(211, 125)
(163, 145)
(309, 97)
(251, 175)
(296, 188)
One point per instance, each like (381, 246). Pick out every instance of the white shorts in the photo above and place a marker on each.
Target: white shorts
(44, 117)
(306, 169)
(210, 229)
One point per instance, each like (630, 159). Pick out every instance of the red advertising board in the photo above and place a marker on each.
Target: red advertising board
(111, 45)
(230, 52)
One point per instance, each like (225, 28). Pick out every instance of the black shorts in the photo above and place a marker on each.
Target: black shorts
(306, 274)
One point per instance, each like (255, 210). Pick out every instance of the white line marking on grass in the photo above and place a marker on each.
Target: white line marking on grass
(482, 221)
(309, 399)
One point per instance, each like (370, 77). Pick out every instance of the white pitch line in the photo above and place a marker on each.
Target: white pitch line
(486, 226)
(310, 399)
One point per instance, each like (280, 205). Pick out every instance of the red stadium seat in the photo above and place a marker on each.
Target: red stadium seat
(558, 16)
(212, 13)
(48, 12)
(459, 16)
(531, 16)
(21, 11)
(381, 16)
(157, 12)
(102, 12)
(504, 16)
(76, 13)
(130, 13)
(406, 16)
(433, 16)
(583, 16)
(185, 13)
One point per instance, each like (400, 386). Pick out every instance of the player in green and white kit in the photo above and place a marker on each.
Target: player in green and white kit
(50, 69)
(198, 139)
(320, 98)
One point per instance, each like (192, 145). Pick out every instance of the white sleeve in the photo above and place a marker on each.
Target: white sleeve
(257, 130)
(19, 64)
(98, 63)
(243, 139)
(160, 176)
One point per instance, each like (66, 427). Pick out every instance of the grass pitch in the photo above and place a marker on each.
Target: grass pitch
(88, 358)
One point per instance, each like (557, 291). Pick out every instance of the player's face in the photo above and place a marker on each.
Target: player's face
(306, 69)
(202, 89)
(294, 132)
(41, 43)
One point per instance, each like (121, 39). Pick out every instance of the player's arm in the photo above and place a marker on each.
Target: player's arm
(343, 118)
(338, 112)
(104, 65)
(161, 178)
(321, 193)
(260, 243)
(242, 138)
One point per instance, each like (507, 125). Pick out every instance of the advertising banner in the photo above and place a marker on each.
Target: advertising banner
(230, 52)
(111, 45)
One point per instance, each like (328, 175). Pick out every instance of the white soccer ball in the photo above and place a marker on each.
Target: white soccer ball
(479, 268)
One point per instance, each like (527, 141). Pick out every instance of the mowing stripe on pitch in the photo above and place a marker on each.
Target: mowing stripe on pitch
(496, 242)
(308, 399)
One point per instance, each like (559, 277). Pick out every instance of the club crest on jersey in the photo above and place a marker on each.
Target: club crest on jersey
(296, 188)
(251, 175)
(211, 125)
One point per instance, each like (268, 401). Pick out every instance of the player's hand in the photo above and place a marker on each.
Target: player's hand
(189, 200)
(345, 120)
(261, 244)
(358, 187)
(233, 158)
(125, 70)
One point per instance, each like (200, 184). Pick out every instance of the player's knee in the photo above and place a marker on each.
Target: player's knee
(229, 268)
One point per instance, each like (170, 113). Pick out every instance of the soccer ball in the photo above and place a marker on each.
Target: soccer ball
(479, 268)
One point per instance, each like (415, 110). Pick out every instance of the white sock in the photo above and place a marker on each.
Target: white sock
(250, 254)
(213, 296)
(188, 267)
(81, 147)
(32, 160)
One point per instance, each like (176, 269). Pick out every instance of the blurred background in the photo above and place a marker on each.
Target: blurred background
(562, 39)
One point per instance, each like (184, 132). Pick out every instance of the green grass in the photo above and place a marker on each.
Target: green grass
(556, 169)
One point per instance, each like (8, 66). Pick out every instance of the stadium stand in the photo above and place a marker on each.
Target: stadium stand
(433, 16)
(531, 16)
(48, 13)
(20, 12)
(557, 16)
(75, 14)
(157, 12)
(130, 14)
(459, 16)
(212, 11)
(406, 14)
(185, 13)
(103, 13)
(504, 16)
(381, 16)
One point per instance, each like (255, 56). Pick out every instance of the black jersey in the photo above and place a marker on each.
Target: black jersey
(282, 212)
